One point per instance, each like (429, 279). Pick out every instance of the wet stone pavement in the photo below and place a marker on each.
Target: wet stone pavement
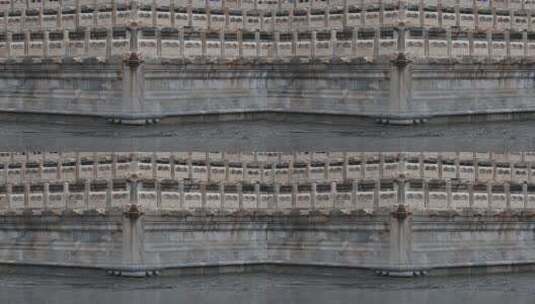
(267, 136)
(45, 286)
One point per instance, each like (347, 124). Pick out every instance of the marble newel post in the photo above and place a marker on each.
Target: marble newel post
(133, 236)
(134, 110)
(398, 110)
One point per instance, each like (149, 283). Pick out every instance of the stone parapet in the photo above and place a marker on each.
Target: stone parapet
(282, 168)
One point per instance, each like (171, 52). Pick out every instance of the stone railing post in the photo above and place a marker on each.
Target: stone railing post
(313, 44)
(26, 195)
(9, 192)
(333, 195)
(294, 195)
(87, 192)
(26, 42)
(46, 39)
(87, 39)
(203, 195)
(46, 192)
(276, 40)
(525, 194)
(276, 191)
(181, 194)
(257, 195)
(221, 44)
(258, 43)
(240, 44)
(508, 43)
(426, 194)
(401, 190)
(507, 190)
(134, 185)
(376, 43)
(9, 41)
(525, 42)
(354, 42)
(376, 193)
(222, 195)
(66, 195)
(449, 194)
(471, 195)
(313, 195)
(239, 188)
(158, 188)
(109, 194)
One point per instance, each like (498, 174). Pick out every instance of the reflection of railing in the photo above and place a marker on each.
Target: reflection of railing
(304, 16)
(418, 194)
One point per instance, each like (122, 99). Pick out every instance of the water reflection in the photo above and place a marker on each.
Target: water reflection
(71, 287)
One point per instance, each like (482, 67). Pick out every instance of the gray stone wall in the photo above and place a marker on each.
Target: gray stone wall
(398, 243)
(390, 92)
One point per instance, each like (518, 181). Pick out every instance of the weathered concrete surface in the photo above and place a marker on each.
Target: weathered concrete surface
(389, 243)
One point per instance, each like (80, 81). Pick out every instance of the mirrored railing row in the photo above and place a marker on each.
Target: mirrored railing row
(267, 167)
(184, 195)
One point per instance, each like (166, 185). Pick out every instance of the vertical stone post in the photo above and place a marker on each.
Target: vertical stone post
(354, 41)
(508, 42)
(489, 195)
(376, 193)
(109, 194)
(87, 192)
(426, 42)
(400, 244)
(257, 195)
(525, 194)
(239, 188)
(133, 240)
(294, 195)
(276, 191)
(9, 41)
(450, 42)
(258, 43)
(276, 40)
(471, 43)
(471, 195)
(87, 39)
(525, 39)
(333, 195)
(46, 38)
(181, 38)
(46, 192)
(26, 195)
(426, 194)
(158, 188)
(313, 44)
(203, 195)
(9, 192)
(26, 42)
(400, 80)
(449, 194)
(313, 195)
(294, 43)
(376, 43)
(507, 190)
(221, 44)
(66, 194)
(240, 44)
(222, 196)
(401, 188)
(181, 194)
